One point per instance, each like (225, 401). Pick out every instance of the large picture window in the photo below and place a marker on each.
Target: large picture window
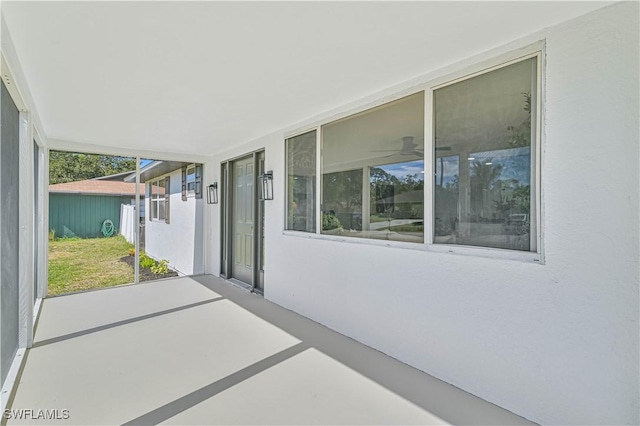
(483, 186)
(484, 159)
(373, 173)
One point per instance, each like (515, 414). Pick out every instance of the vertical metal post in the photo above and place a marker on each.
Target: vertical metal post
(223, 220)
(136, 266)
(228, 199)
(254, 213)
(26, 228)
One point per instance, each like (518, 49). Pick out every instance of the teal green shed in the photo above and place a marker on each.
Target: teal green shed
(78, 209)
(76, 215)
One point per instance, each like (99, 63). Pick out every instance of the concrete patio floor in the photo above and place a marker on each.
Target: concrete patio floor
(196, 350)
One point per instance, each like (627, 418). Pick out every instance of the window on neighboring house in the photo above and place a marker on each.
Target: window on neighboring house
(159, 199)
(485, 171)
(191, 180)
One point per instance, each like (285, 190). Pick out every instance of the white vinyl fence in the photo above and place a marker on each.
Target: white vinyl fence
(128, 222)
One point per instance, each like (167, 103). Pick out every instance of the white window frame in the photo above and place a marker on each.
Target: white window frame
(154, 199)
(535, 50)
(318, 218)
(191, 192)
(533, 256)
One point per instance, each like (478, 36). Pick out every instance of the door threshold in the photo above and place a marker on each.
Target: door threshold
(241, 284)
(244, 286)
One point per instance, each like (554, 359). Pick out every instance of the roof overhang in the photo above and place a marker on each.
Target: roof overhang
(157, 169)
(101, 194)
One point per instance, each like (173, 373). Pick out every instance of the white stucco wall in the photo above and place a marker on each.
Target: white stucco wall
(181, 240)
(556, 343)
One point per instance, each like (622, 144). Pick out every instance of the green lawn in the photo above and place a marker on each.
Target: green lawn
(81, 264)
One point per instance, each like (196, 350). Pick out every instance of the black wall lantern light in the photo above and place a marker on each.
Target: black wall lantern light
(212, 193)
(266, 181)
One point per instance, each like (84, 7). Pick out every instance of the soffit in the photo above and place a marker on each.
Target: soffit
(157, 169)
(201, 77)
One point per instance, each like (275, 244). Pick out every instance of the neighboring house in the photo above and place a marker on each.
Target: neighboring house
(78, 209)
(116, 177)
(173, 224)
(120, 177)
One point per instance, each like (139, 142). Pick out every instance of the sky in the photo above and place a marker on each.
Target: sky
(400, 170)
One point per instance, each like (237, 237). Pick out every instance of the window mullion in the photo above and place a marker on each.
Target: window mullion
(318, 182)
(429, 172)
(537, 153)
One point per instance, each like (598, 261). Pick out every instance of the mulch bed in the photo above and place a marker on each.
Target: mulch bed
(145, 273)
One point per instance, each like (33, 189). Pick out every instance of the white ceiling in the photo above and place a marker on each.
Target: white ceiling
(199, 77)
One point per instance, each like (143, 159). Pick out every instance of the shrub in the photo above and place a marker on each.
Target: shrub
(146, 261)
(52, 235)
(161, 268)
(329, 221)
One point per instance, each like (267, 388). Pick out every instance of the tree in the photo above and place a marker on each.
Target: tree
(342, 191)
(521, 134)
(382, 186)
(73, 166)
(483, 178)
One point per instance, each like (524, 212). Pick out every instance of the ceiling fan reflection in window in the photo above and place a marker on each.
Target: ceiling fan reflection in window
(410, 148)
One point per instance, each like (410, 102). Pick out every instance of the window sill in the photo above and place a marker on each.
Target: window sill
(355, 240)
(485, 252)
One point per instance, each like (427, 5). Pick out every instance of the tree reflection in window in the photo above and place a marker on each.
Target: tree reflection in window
(397, 198)
(342, 200)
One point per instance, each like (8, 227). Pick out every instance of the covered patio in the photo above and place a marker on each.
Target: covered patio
(197, 350)
(438, 201)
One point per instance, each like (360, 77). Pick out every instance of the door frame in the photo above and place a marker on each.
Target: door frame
(226, 210)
